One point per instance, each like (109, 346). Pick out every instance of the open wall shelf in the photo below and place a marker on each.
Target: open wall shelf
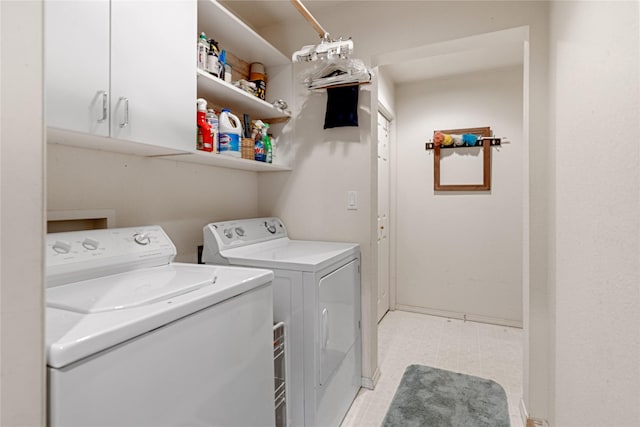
(229, 96)
(224, 161)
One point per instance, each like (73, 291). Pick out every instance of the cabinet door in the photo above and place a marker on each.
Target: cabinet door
(153, 81)
(77, 65)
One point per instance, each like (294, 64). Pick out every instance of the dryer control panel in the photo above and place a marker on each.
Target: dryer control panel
(219, 236)
(231, 234)
(81, 255)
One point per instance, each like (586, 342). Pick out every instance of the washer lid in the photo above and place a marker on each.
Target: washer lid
(127, 290)
(300, 255)
(108, 315)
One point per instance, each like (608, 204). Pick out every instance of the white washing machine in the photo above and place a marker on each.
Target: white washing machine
(316, 291)
(134, 339)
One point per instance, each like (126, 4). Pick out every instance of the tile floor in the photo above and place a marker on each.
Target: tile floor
(479, 349)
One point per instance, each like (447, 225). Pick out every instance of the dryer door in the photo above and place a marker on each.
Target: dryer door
(338, 316)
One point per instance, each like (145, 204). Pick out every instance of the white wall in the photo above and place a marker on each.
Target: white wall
(386, 92)
(460, 253)
(381, 27)
(312, 199)
(22, 374)
(596, 109)
(180, 197)
(386, 26)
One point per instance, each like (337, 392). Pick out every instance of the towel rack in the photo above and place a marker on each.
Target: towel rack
(484, 135)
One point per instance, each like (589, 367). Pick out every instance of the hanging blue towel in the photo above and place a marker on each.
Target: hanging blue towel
(342, 107)
(469, 139)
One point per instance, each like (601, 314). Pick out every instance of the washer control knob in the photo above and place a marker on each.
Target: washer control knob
(240, 231)
(61, 247)
(271, 228)
(90, 244)
(228, 233)
(142, 238)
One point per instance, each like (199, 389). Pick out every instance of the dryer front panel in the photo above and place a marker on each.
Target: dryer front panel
(338, 317)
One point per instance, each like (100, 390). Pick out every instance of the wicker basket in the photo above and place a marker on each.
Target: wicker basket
(247, 148)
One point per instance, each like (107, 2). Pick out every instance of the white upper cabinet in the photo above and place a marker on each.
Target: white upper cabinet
(77, 65)
(153, 55)
(121, 76)
(122, 69)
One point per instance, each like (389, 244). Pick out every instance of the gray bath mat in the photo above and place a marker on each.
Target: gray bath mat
(430, 397)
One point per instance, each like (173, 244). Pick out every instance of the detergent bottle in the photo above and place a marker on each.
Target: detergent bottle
(229, 132)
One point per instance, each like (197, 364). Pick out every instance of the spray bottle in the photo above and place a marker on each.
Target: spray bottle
(204, 141)
(268, 149)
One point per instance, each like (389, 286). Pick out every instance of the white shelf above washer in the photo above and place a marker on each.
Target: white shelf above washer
(223, 161)
(228, 96)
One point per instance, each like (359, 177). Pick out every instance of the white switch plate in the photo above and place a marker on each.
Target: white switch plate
(352, 200)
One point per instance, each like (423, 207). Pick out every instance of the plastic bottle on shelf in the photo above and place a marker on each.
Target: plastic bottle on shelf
(225, 70)
(268, 149)
(258, 149)
(222, 60)
(212, 121)
(213, 62)
(204, 141)
(258, 137)
(230, 131)
(203, 50)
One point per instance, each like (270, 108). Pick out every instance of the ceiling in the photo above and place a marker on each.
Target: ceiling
(261, 13)
(500, 49)
(455, 63)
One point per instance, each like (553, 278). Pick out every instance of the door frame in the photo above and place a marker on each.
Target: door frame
(536, 346)
(392, 202)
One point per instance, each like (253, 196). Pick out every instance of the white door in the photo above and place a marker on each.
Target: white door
(153, 72)
(383, 215)
(77, 65)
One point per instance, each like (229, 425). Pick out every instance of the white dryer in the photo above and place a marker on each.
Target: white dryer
(317, 295)
(134, 339)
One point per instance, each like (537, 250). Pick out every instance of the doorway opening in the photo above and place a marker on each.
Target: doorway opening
(431, 250)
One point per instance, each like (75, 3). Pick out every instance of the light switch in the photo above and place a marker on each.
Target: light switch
(352, 200)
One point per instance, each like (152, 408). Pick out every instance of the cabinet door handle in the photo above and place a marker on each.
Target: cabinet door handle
(105, 106)
(126, 112)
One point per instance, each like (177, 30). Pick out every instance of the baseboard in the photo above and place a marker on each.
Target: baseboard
(529, 421)
(536, 422)
(461, 316)
(370, 383)
(524, 415)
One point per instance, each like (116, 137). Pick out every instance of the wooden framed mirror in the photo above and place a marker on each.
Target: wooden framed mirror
(486, 162)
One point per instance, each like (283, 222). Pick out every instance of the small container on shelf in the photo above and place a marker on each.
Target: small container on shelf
(257, 76)
(247, 148)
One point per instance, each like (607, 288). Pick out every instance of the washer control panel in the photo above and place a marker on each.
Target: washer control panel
(107, 250)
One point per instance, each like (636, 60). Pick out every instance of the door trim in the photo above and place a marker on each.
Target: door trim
(392, 203)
